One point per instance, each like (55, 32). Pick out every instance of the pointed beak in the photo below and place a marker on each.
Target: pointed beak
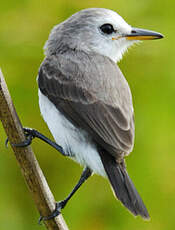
(141, 34)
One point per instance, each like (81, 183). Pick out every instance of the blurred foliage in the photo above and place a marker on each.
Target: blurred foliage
(149, 69)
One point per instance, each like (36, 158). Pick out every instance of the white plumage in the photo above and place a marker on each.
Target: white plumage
(77, 144)
(106, 109)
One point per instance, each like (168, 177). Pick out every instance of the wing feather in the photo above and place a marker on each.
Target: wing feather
(92, 105)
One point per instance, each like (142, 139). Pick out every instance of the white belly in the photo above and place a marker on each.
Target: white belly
(77, 144)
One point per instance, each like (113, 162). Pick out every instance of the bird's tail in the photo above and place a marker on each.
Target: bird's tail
(122, 185)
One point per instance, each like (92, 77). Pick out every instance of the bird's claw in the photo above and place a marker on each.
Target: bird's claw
(6, 142)
(59, 205)
(29, 134)
(32, 133)
(29, 137)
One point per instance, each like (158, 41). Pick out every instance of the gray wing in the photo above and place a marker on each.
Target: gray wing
(92, 93)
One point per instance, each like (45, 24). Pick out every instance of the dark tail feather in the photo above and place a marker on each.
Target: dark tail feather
(123, 187)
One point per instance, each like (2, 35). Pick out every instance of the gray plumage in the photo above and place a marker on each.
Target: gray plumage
(106, 104)
(86, 86)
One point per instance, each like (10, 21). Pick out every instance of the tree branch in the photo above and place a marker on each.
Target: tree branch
(30, 168)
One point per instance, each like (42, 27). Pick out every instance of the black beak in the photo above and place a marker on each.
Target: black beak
(141, 34)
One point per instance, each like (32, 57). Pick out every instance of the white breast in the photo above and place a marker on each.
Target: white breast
(76, 143)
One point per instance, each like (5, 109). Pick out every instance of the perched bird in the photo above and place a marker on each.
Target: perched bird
(86, 101)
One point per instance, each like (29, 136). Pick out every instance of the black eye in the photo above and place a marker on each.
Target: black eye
(107, 28)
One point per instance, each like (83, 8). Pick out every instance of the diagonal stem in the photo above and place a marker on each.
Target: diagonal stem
(30, 168)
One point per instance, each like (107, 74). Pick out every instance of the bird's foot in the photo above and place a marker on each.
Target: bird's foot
(59, 206)
(31, 134)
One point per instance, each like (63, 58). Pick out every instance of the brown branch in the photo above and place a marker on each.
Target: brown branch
(30, 168)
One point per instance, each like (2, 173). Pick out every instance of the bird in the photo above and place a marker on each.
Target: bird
(86, 101)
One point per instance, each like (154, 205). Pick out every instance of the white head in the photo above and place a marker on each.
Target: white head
(98, 30)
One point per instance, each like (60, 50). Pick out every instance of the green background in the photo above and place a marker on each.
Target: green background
(150, 70)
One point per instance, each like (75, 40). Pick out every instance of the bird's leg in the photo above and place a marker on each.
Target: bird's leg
(60, 205)
(32, 133)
